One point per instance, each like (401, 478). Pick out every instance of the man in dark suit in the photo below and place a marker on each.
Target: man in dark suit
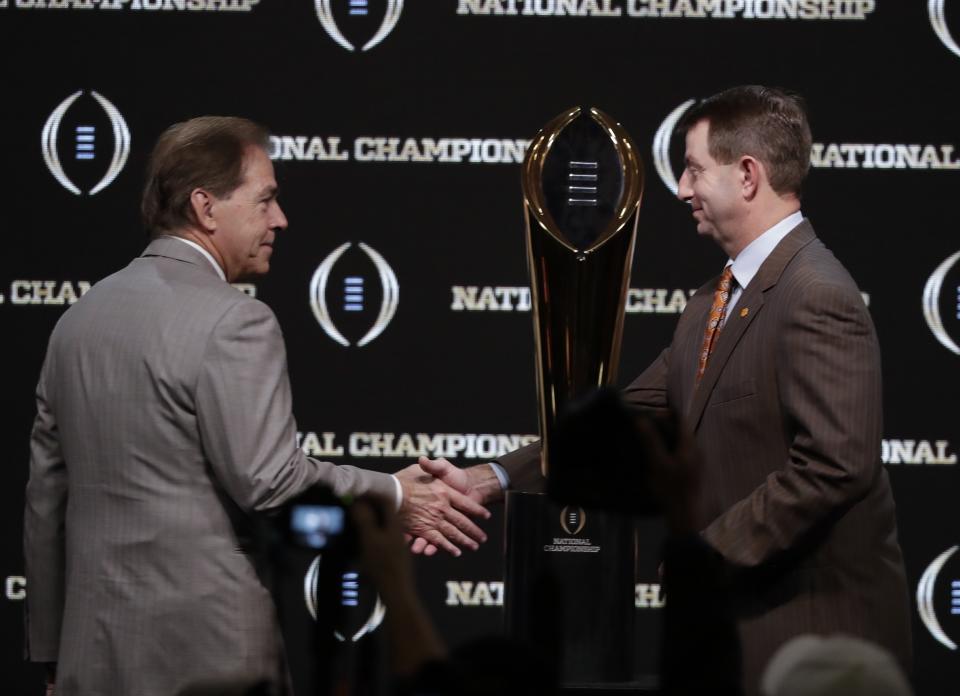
(776, 368)
(163, 424)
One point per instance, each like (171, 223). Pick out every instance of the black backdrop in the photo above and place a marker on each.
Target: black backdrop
(458, 84)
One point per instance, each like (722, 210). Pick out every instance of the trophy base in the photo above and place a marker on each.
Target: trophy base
(569, 589)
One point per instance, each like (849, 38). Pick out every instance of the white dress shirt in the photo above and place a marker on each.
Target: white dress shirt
(206, 254)
(748, 261)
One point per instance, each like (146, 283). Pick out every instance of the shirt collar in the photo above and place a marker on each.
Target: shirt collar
(206, 255)
(748, 261)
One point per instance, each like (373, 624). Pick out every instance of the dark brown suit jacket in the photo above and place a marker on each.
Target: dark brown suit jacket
(788, 417)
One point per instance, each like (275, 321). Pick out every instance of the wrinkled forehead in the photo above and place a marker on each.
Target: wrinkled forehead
(257, 167)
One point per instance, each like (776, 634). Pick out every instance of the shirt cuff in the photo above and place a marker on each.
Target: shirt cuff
(398, 495)
(502, 475)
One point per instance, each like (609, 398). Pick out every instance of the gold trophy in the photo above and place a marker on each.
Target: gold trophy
(582, 184)
(569, 571)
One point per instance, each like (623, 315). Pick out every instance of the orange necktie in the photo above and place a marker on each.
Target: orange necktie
(720, 298)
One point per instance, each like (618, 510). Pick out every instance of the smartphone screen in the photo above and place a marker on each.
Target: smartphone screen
(314, 526)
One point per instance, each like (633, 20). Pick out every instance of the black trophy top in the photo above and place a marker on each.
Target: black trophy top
(582, 181)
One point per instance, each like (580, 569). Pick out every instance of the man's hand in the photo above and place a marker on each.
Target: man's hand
(478, 483)
(382, 550)
(435, 511)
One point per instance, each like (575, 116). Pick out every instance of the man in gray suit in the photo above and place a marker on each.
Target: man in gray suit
(164, 421)
(775, 367)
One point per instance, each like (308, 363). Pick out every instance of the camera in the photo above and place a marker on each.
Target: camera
(319, 521)
(324, 603)
(313, 526)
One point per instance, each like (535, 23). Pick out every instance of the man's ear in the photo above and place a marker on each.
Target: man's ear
(201, 204)
(751, 171)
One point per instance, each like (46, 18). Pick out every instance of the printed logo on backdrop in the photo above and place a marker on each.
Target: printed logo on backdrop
(938, 21)
(917, 452)
(367, 22)
(822, 155)
(356, 295)
(510, 298)
(938, 598)
(842, 10)
(883, 156)
(362, 445)
(87, 138)
(382, 148)
(67, 292)
(16, 588)
(363, 610)
(45, 292)
(138, 5)
(467, 593)
(343, 20)
(662, 140)
(470, 593)
(941, 303)
(649, 595)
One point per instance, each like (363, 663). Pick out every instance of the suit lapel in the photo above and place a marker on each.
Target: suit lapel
(733, 330)
(747, 309)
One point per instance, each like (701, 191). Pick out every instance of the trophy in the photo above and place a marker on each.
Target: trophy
(570, 571)
(582, 183)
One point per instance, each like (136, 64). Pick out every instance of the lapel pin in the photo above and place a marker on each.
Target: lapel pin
(745, 311)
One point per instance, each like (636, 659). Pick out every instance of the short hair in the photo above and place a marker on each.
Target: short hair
(206, 152)
(764, 122)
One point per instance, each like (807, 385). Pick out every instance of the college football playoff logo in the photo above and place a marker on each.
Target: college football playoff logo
(572, 520)
(939, 23)
(941, 303)
(930, 593)
(343, 298)
(363, 610)
(356, 15)
(85, 142)
(661, 146)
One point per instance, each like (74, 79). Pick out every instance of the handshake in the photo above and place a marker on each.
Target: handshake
(649, 466)
(439, 500)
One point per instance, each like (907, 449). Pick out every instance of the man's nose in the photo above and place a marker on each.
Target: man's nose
(684, 190)
(279, 219)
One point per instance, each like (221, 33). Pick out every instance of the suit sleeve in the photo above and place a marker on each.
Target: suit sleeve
(523, 467)
(649, 391)
(828, 379)
(43, 530)
(646, 392)
(246, 422)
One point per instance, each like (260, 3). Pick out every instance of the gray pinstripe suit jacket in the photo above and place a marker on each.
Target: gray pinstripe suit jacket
(788, 417)
(164, 418)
